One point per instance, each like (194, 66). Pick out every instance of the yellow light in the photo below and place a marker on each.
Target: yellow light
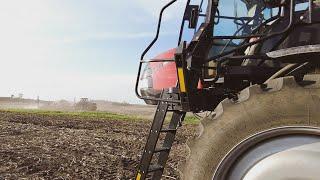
(181, 80)
(138, 176)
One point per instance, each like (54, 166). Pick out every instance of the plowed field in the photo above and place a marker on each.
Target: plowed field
(44, 146)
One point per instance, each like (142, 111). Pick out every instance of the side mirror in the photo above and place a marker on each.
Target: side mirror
(192, 15)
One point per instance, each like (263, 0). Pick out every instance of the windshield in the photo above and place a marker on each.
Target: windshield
(238, 17)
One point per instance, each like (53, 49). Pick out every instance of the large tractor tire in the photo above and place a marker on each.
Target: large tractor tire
(285, 114)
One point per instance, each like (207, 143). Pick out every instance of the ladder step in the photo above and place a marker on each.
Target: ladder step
(157, 128)
(156, 167)
(168, 130)
(173, 110)
(161, 149)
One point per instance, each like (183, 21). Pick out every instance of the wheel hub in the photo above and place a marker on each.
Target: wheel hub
(281, 153)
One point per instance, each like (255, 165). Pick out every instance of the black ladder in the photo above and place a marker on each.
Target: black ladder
(145, 167)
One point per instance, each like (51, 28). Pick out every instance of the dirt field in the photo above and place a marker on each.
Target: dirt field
(37, 146)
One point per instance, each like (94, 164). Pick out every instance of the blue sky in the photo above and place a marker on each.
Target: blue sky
(61, 49)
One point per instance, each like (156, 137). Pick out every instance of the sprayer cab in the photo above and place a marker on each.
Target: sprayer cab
(231, 50)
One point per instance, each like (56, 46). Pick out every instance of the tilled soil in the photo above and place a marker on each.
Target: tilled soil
(34, 146)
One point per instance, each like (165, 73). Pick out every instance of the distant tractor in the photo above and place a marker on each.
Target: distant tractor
(85, 105)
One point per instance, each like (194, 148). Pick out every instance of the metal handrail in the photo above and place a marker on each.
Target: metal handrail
(145, 52)
(158, 60)
(182, 24)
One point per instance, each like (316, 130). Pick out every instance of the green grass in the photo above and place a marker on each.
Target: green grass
(84, 115)
(189, 119)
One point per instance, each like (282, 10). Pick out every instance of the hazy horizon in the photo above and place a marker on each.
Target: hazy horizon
(59, 49)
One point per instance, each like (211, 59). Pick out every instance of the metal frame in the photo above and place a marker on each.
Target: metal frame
(193, 57)
(204, 30)
(146, 51)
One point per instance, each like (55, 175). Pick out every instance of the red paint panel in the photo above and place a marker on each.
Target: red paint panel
(166, 55)
(164, 74)
(165, 77)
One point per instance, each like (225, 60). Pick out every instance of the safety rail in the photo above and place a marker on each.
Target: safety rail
(143, 61)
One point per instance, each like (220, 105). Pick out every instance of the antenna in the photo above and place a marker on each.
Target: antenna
(201, 3)
(235, 12)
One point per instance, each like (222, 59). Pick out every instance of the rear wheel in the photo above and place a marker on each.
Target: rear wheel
(269, 129)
